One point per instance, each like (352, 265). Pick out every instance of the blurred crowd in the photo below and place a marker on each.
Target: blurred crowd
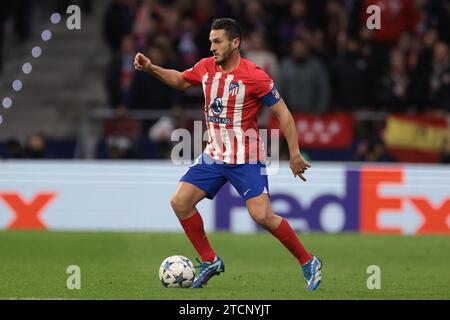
(321, 54)
(21, 14)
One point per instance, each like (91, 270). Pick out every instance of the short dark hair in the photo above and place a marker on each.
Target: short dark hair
(231, 27)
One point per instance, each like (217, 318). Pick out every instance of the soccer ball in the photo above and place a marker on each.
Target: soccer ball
(176, 272)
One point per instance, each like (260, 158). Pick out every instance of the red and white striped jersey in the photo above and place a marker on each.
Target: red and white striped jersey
(232, 103)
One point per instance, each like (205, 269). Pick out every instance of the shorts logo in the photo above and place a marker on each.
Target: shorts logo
(233, 89)
(217, 106)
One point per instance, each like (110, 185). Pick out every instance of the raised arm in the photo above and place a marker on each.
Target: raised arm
(297, 162)
(172, 78)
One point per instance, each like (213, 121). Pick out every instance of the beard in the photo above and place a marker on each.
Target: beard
(225, 56)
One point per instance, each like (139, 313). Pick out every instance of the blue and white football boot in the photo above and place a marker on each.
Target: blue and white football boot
(207, 271)
(312, 271)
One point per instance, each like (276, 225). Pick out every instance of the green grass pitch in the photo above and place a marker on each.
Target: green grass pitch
(125, 266)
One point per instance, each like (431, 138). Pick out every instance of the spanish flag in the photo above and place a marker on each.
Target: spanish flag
(416, 138)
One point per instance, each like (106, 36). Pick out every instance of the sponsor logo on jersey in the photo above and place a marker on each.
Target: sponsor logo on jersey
(217, 106)
(219, 120)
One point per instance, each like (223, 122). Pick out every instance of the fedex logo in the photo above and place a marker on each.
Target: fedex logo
(27, 213)
(416, 213)
(364, 206)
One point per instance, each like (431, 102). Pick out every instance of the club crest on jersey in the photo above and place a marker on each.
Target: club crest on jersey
(217, 106)
(234, 89)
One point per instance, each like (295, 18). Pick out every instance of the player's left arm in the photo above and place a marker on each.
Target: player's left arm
(297, 162)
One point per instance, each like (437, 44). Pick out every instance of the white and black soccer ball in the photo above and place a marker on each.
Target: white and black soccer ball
(176, 272)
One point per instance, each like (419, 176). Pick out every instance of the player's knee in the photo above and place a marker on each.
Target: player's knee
(180, 206)
(262, 218)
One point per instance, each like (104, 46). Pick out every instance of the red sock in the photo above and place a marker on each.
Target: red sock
(289, 239)
(193, 227)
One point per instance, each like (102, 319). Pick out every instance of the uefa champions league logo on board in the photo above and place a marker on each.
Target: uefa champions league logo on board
(216, 106)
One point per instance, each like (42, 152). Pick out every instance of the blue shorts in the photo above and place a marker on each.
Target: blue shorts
(249, 180)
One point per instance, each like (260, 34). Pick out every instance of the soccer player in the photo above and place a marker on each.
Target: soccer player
(234, 90)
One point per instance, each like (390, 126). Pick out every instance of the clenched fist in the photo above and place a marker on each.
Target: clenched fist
(142, 63)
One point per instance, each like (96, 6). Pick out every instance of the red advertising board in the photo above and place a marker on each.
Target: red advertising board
(324, 131)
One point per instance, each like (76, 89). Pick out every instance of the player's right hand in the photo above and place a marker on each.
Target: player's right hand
(142, 63)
